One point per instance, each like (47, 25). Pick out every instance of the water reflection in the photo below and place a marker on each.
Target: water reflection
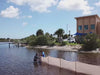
(53, 53)
(70, 56)
(89, 58)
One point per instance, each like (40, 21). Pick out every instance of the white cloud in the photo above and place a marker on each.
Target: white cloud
(97, 4)
(18, 2)
(10, 12)
(36, 5)
(75, 5)
(25, 23)
(29, 16)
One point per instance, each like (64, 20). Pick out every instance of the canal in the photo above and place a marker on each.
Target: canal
(19, 61)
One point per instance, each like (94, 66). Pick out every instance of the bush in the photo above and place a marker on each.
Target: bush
(63, 43)
(32, 43)
(51, 43)
(72, 44)
(57, 43)
(90, 42)
(98, 41)
(41, 40)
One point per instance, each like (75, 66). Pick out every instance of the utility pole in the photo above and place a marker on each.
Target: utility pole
(67, 29)
(69, 32)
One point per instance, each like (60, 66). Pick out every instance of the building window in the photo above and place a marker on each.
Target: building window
(79, 27)
(92, 26)
(85, 27)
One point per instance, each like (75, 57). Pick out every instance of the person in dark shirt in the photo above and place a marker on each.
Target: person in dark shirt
(35, 58)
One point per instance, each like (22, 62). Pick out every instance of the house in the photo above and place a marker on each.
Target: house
(88, 24)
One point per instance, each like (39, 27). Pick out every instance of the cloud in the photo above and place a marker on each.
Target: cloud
(25, 23)
(97, 4)
(27, 16)
(10, 12)
(72, 5)
(36, 5)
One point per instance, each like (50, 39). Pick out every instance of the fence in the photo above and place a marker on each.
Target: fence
(78, 68)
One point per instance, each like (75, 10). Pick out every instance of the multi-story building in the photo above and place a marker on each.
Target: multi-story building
(88, 24)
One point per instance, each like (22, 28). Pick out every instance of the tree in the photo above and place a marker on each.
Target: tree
(41, 40)
(47, 34)
(28, 39)
(65, 36)
(59, 34)
(39, 32)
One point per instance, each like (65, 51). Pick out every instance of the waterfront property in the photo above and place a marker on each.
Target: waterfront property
(88, 24)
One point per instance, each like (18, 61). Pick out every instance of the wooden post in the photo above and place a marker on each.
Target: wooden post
(75, 68)
(60, 63)
(9, 45)
(18, 45)
(9, 42)
(48, 65)
(48, 61)
(76, 64)
(60, 66)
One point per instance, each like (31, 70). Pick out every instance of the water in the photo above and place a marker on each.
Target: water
(19, 61)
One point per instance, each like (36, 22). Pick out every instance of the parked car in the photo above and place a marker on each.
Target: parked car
(70, 39)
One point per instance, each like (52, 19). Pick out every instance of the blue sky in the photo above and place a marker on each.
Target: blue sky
(21, 18)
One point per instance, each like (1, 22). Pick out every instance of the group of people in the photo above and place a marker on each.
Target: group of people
(37, 58)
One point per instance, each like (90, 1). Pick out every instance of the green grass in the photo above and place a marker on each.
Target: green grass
(66, 43)
(57, 43)
(72, 44)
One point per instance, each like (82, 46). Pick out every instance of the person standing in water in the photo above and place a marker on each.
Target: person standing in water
(43, 54)
(35, 58)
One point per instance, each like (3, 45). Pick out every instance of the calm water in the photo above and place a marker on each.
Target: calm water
(19, 61)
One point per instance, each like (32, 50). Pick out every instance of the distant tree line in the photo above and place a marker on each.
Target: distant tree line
(89, 42)
(4, 39)
(42, 38)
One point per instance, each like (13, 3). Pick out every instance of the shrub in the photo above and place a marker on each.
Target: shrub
(41, 40)
(90, 42)
(51, 43)
(63, 43)
(57, 43)
(32, 43)
(72, 44)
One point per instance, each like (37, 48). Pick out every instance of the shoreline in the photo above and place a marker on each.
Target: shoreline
(60, 48)
(68, 48)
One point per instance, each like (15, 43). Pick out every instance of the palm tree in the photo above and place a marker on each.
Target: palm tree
(39, 32)
(59, 34)
(47, 34)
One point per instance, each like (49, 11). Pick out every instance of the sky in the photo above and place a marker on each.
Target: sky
(22, 18)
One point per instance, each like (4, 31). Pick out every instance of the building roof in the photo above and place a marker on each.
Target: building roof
(87, 16)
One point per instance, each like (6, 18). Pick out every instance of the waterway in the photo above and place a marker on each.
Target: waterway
(19, 61)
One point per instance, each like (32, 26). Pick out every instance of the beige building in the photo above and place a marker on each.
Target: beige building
(88, 24)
